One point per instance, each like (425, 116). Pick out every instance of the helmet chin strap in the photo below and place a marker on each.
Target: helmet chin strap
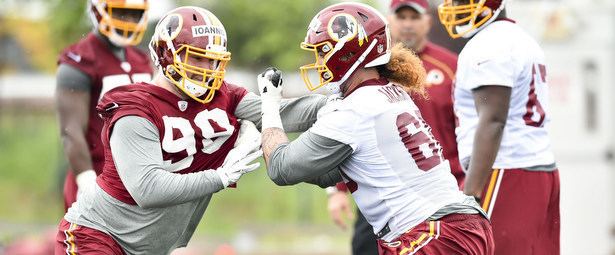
(334, 87)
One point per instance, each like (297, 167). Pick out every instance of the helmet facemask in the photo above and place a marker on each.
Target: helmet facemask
(464, 20)
(198, 82)
(124, 24)
(317, 74)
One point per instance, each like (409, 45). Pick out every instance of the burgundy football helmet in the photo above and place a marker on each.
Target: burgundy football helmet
(191, 33)
(344, 37)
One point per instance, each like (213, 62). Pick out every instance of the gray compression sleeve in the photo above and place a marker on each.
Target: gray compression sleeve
(136, 151)
(71, 78)
(298, 114)
(310, 158)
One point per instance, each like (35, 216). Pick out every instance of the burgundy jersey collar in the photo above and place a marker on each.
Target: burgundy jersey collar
(371, 82)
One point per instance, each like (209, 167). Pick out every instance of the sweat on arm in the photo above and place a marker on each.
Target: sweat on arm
(137, 155)
(310, 158)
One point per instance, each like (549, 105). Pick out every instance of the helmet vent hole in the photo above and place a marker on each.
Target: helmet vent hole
(337, 10)
(194, 17)
(363, 16)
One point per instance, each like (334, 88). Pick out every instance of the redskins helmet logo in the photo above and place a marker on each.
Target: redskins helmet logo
(170, 27)
(342, 27)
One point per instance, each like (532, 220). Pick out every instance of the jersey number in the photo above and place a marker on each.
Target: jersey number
(112, 81)
(215, 128)
(419, 141)
(533, 106)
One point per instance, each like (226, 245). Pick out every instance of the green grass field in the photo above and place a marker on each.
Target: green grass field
(31, 165)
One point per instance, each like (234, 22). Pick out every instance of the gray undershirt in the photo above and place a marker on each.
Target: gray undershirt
(310, 158)
(169, 205)
(70, 78)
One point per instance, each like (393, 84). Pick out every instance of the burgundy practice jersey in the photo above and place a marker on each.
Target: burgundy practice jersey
(94, 58)
(437, 108)
(193, 136)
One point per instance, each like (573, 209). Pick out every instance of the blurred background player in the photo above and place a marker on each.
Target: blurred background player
(105, 58)
(502, 102)
(410, 22)
(374, 133)
(170, 145)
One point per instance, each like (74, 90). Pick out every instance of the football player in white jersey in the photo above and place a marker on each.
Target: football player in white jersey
(374, 138)
(501, 101)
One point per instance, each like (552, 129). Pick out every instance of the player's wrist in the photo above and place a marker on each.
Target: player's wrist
(271, 114)
(86, 178)
(221, 172)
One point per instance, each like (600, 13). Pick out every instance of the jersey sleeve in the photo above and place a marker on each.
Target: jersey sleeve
(236, 94)
(78, 56)
(489, 65)
(339, 125)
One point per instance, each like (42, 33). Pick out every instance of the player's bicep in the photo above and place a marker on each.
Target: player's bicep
(72, 98)
(492, 103)
(136, 151)
(309, 158)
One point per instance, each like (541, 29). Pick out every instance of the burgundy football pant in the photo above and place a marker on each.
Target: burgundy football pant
(524, 210)
(70, 190)
(467, 234)
(73, 239)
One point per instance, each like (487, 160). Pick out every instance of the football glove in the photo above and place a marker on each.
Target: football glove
(270, 89)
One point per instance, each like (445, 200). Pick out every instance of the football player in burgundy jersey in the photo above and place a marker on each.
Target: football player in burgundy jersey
(502, 104)
(385, 151)
(170, 145)
(105, 58)
(410, 23)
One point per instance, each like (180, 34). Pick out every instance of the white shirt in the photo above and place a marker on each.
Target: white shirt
(503, 54)
(396, 173)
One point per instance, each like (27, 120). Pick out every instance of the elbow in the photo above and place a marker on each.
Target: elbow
(276, 176)
(146, 203)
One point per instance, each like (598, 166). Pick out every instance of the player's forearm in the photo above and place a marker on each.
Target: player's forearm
(271, 139)
(486, 145)
(77, 151)
(159, 188)
(309, 158)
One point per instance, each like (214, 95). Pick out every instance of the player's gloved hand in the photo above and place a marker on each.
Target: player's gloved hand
(270, 88)
(339, 208)
(248, 141)
(237, 163)
(86, 182)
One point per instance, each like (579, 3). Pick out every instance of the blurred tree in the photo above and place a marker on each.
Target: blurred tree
(68, 23)
(267, 32)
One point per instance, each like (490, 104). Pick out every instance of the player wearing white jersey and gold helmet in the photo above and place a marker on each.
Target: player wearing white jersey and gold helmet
(501, 101)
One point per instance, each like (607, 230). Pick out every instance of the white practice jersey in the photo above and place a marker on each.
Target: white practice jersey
(503, 54)
(396, 173)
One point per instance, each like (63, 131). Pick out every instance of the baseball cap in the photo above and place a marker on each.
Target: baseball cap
(420, 6)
